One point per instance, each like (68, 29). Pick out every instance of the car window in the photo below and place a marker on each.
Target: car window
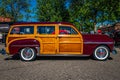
(67, 30)
(23, 30)
(46, 30)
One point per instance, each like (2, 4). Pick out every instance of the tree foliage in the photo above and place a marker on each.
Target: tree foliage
(14, 9)
(90, 12)
(51, 10)
(85, 14)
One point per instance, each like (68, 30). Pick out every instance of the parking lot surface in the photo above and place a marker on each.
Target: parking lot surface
(60, 68)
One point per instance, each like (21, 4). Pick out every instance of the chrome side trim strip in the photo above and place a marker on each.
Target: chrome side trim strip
(24, 45)
(98, 43)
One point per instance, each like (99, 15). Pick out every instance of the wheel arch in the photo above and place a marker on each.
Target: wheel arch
(103, 45)
(100, 45)
(27, 47)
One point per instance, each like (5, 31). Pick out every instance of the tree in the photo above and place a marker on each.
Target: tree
(51, 10)
(90, 12)
(14, 9)
(78, 13)
(112, 10)
(86, 12)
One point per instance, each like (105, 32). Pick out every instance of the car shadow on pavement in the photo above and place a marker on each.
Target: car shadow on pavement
(110, 58)
(62, 58)
(13, 57)
(16, 57)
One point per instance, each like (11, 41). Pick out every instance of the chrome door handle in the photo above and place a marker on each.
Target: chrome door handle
(36, 37)
(59, 36)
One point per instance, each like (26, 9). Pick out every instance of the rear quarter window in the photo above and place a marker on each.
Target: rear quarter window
(22, 30)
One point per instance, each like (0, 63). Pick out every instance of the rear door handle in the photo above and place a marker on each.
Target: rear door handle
(59, 36)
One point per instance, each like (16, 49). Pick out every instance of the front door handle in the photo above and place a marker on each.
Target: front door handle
(36, 37)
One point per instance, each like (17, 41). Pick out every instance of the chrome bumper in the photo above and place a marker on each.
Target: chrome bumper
(114, 51)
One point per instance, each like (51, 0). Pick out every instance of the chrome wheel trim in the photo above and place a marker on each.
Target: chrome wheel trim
(27, 54)
(101, 53)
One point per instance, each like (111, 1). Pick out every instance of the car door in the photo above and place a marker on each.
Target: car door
(47, 36)
(70, 40)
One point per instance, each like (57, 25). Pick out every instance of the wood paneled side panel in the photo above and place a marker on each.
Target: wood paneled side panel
(69, 39)
(70, 47)
(48, 40)
(11, 38)
(49, 48)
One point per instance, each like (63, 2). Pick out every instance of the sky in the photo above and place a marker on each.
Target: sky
(33, 5)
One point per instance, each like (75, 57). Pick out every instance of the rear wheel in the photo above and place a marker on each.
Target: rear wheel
(27, 54)
(101, 53)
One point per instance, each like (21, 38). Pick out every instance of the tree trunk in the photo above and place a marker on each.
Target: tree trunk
(95, 29)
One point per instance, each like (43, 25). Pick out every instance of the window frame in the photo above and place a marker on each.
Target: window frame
(72, 28)
(21, 26)
(45, 33)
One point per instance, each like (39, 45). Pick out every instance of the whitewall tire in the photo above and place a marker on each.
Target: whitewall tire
(27, 54)
(101, 53)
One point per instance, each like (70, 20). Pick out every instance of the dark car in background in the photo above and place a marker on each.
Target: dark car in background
(117, 38)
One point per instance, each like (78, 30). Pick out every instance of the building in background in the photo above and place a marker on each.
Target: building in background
(3, 19)
(4, 27)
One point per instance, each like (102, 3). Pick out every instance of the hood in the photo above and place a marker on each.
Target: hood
(96, 38)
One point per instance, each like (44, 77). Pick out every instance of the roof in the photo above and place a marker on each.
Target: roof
(22, 23)
(4, 26)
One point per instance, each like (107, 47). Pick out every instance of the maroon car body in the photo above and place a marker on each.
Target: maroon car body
(92, 41)
(72, 43)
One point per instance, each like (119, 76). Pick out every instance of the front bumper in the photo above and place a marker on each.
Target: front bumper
(114, 51)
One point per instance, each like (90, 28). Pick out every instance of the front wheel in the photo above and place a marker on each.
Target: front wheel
(27, 54)
(101, 53)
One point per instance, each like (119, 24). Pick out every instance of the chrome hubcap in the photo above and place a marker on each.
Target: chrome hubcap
(101, 53)
(27, 53)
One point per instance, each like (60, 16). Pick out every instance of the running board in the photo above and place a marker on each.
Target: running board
(69, 55)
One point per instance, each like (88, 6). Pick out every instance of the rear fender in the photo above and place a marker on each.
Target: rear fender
(16, 45)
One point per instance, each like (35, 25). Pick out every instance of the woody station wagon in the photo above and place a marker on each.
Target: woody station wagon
(54, 38)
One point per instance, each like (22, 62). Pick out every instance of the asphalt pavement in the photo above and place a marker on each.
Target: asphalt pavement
(60, 68)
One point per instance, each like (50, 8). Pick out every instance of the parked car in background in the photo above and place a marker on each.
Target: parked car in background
(117, 37)
(55, 38)
(1, 37)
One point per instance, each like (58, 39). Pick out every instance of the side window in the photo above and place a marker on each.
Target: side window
(23, 30)
(67, 30)
(46, 29)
